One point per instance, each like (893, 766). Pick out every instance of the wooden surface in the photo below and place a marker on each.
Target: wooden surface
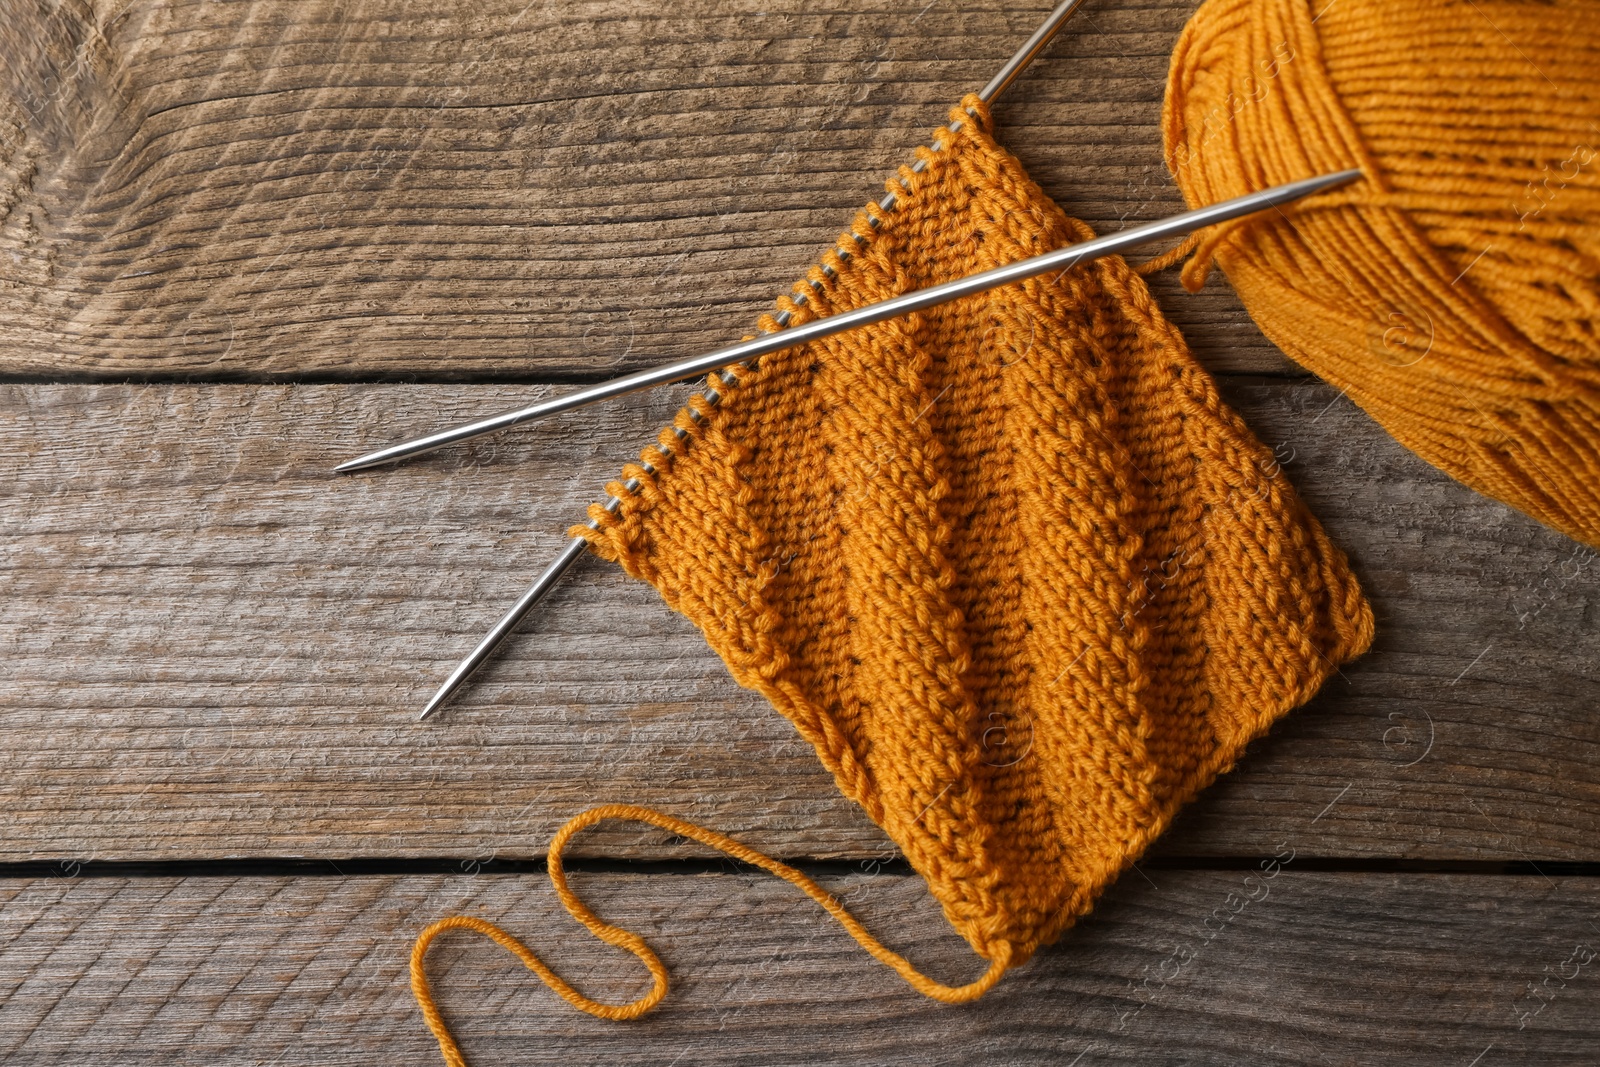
(242, 241)
(1318, 969)
(309, 188)
(216, 648)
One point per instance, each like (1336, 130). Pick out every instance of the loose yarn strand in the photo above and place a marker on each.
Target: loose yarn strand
(1170, 258)
(615, 935)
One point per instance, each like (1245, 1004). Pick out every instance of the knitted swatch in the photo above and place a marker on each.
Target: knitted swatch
(1009, 564)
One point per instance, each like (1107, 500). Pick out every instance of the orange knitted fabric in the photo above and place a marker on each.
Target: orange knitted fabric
(1009, 564)
(1458, 299)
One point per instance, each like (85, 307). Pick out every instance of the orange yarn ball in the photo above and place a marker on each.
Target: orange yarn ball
(1455, 294)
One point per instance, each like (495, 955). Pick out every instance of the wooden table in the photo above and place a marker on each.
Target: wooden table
(240, 241)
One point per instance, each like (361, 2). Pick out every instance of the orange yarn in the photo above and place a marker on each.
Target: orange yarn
(1009, 564)
(613, 935)
(1459, 303)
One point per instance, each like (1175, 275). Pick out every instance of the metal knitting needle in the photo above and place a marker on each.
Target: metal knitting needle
(1059, 260)
(645, 380)
(997, 85)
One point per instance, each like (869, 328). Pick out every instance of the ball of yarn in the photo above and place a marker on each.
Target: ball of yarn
(1455, 293)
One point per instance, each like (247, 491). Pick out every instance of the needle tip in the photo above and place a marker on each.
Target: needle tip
(437, 702)
(1329, 181)
(360, 463)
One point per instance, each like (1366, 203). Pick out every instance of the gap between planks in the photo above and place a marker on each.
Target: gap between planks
(214, 648)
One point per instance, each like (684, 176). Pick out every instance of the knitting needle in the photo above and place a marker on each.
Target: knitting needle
(811, 331)
(1029, 51)
(406, 449)
(1059, 260)
(997, 85)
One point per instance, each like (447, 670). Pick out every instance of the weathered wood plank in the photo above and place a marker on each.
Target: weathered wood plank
(478, 188)
(213, 647)
(1316, 969)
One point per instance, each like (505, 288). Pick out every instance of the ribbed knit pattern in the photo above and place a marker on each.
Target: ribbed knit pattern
(1010, 565)
(1456, 297)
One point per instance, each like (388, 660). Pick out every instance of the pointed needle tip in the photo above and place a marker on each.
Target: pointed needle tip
(433, 706)
(360, 463)
(439, 699)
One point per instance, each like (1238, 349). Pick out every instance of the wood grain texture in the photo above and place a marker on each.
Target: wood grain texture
(1316, 969)
(475, 189)
(213, 647)
(210, 647)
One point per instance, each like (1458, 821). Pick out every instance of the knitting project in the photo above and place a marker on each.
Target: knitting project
(1009, 564)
